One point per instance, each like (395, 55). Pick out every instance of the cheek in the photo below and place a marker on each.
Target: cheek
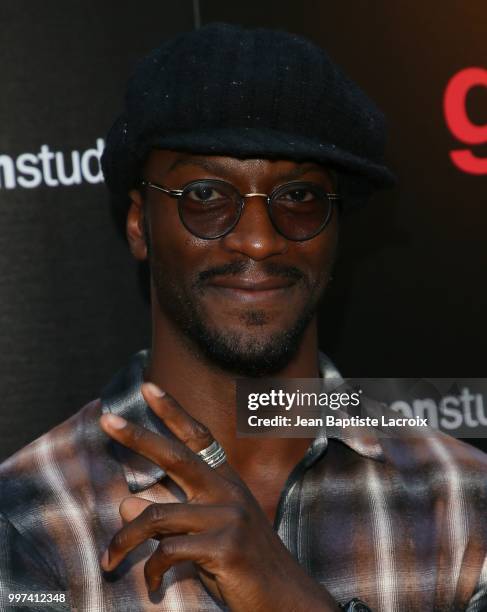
(173, 247)
(318, 254)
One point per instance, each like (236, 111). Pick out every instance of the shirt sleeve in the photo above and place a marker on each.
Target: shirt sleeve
(23, 570)
(478, 603)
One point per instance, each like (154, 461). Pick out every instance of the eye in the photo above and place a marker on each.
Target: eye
(299, 195)
(204, 193)
(296, 195)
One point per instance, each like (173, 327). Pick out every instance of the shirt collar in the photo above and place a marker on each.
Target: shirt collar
(123, 396)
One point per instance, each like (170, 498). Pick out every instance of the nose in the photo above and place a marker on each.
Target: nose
(254, 235)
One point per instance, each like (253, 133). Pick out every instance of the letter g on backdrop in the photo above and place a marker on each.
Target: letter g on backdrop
(460, 124)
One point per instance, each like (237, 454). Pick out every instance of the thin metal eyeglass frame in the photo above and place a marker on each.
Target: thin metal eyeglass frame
(177, 193)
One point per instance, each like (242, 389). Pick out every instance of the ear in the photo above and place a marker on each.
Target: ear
(135, 226)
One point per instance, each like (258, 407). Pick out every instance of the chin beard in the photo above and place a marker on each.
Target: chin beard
(251, 357)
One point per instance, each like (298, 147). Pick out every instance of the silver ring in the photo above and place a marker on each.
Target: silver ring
(213, 455)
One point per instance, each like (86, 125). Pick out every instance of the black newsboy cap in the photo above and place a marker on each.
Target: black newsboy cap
(226, 90)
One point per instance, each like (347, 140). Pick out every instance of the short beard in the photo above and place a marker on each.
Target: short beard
(231, 352)
(234, 352)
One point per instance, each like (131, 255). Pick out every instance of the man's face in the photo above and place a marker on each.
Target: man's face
(243, 300)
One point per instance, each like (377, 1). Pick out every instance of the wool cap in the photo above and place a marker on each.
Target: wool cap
(226, 90)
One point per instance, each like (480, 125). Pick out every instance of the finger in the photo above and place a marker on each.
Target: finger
(190, 431)
(187, 429)
(196, 548)
(163, 519)
(192, 474)
(131, 507)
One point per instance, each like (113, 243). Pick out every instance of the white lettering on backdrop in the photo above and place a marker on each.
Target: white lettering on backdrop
(51, 168)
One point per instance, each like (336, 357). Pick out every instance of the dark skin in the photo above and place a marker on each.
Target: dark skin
(225, 527)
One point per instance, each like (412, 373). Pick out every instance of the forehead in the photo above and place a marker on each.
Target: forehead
(162, 162)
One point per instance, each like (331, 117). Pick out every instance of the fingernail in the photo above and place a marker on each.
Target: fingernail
(155, 390)
(115, 421)
(105, 560)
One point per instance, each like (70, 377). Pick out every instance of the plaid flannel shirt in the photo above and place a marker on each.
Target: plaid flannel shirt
(399, 522)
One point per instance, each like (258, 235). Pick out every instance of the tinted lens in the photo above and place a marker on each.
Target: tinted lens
(300, 210)
(209, 209)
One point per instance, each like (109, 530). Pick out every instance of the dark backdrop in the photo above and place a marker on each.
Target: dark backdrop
(408, 297)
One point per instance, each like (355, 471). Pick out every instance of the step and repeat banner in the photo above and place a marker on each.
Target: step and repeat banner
(408, 299)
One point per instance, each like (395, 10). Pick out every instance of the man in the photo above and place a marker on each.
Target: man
(232, 160)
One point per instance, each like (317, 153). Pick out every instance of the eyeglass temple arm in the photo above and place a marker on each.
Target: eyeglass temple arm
(175, 193)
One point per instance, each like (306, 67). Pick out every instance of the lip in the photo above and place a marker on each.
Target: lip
(252, 290)
(252, 285)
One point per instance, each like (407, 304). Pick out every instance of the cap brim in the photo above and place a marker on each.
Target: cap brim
(250, 142)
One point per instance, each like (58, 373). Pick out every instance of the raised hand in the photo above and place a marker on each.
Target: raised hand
(220, 528)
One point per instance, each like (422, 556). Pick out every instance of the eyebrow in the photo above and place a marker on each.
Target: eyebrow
(217, 168)
(210, 166)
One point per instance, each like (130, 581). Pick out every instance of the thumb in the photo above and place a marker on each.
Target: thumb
(131, 507)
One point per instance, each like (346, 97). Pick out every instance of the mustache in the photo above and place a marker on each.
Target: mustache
(239, 267)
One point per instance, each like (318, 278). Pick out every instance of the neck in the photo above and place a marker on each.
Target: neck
(207, 392)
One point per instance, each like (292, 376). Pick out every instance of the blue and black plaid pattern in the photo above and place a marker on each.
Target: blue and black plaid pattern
(399, 523)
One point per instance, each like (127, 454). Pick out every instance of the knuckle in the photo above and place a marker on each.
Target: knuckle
(170, 404)
(155, 513)
(236, 537)
(176, 460)
(197, 497)
(136, 433)
(197, 433)
(172, 455)
(167, 548)
(201, 433)
(228, 551)
(236, 491)
(239, 515)
(119, 541)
